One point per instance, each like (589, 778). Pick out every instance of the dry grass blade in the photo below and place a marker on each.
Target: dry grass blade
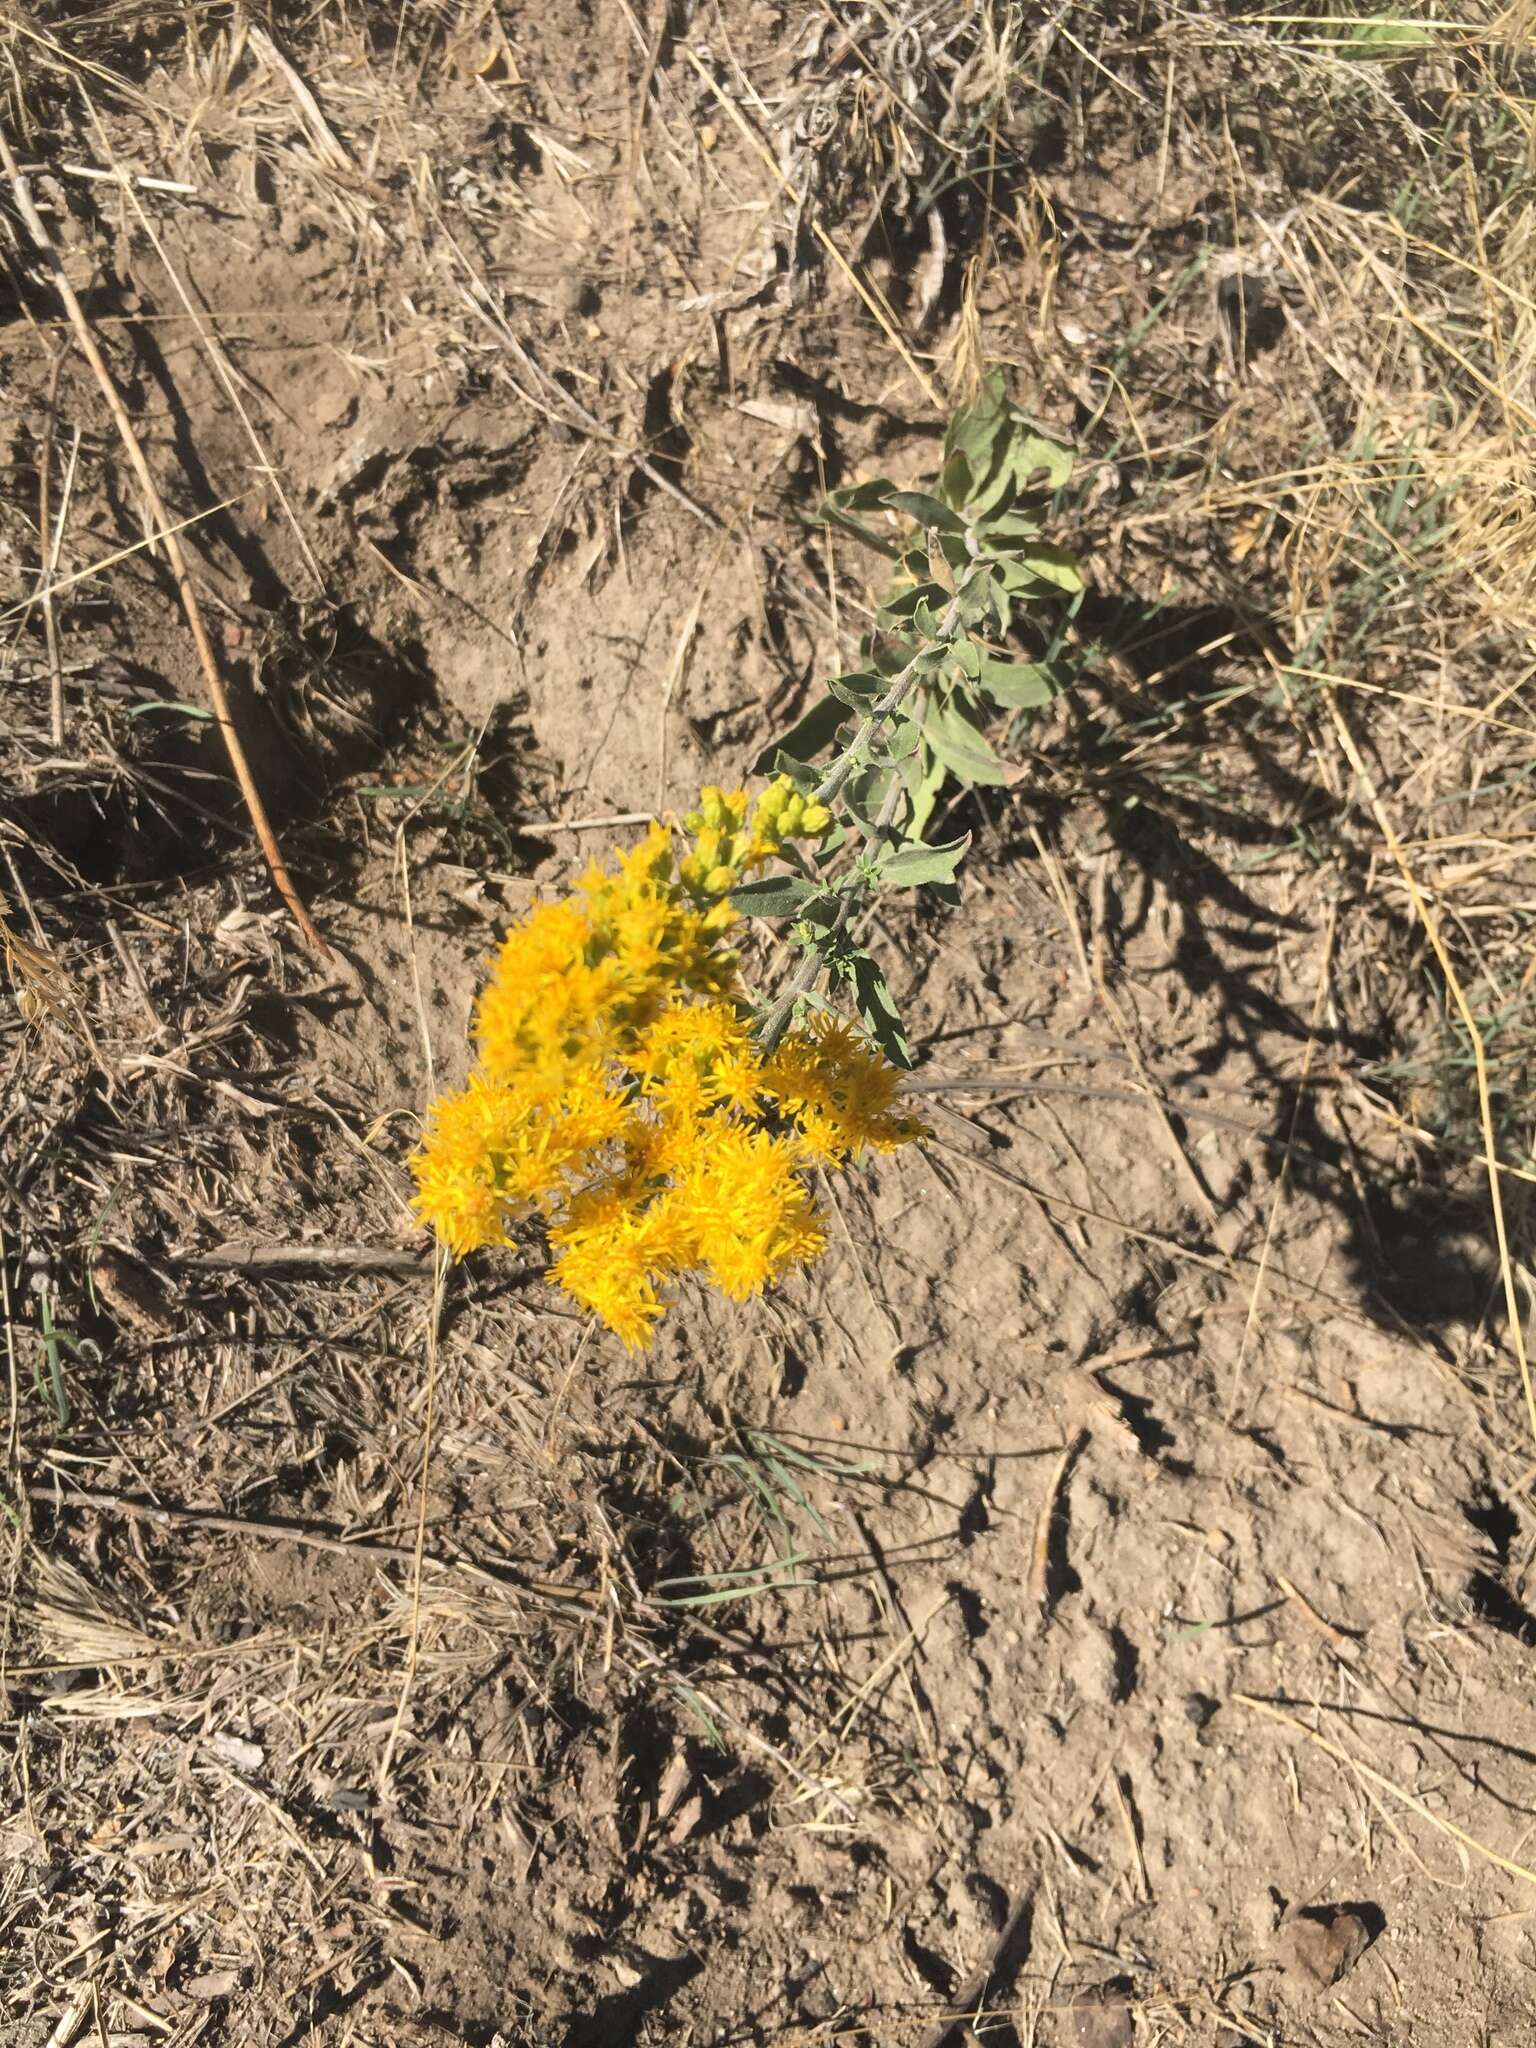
(868, 292)
(75, 1622)
(419, 1547)
(39, 978)
(180, 572)
(507, 1584)
(1050, 1509)
(49, 553)
(328, 146)
(1006, 1957)
(1386, 1784)
(1458, 995)
(221, 367)
(59, 584)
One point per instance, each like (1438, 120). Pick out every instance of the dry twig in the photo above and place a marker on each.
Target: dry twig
(507, 1581)
(223, 715)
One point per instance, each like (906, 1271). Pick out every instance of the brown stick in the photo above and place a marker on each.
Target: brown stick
(223, 716)
(510, 1579)
(1003, 1963)
(1040, 1561)
(45, 557)
(249, 1256)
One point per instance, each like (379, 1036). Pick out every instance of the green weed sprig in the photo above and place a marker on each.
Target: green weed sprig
(972, 563)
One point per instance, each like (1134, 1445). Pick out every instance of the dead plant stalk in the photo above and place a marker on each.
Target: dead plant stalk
(177, 560)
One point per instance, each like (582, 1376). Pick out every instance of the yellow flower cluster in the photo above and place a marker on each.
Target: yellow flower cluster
(619, 1097)
(727, 846)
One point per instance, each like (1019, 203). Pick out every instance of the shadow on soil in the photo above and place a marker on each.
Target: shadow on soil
(1416, 1246)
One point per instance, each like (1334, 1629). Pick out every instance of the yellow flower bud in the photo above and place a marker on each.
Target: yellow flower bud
(712, 805)
(815, 819)
(719, 881)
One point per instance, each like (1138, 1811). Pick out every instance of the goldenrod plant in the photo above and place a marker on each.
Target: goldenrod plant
(630, 1096)
(619, 1095)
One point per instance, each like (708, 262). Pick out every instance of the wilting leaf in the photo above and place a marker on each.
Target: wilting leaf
(811, 734)
(877, 1008)
(774, 896)
(965, 752)
(909, 867)
(1019, 685)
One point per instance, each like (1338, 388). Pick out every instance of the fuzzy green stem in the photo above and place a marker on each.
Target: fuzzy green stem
(805, 976)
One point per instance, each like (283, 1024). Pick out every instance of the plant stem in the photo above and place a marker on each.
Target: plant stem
(901, 688)
(806, 975)
(167, 535)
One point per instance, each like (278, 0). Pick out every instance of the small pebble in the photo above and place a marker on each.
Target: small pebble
(1101, 2019)
(1315, 1953)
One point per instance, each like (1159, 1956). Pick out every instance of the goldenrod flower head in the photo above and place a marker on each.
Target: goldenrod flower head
(839, 1091)
(498, 1148)
(727, 845)
(746, 1208)
(619, 1097)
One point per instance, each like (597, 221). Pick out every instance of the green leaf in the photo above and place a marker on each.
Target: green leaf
(877, 1008)
(909, 867)
(956, 552)
(774, 896)
(925, 775)
(973, 598)
(892, 652)
(1027, 462)
(864, 793)
(904, 604)
(926, 510)
(167, 704)
(810, 734)
(864, 497)
(696, 1706)
(838, 507)
(1012, 576)
(859, 690)
(973, 433)
(967, 657)
(813, 927)
(1039, 463)
(1004, 533)
(903, 736)
(1385, 35)
(965, 752)
(955, 484)
(804, 776)
(1053, 565)
(1037, 569)
(991, 499)
(1019, 685)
